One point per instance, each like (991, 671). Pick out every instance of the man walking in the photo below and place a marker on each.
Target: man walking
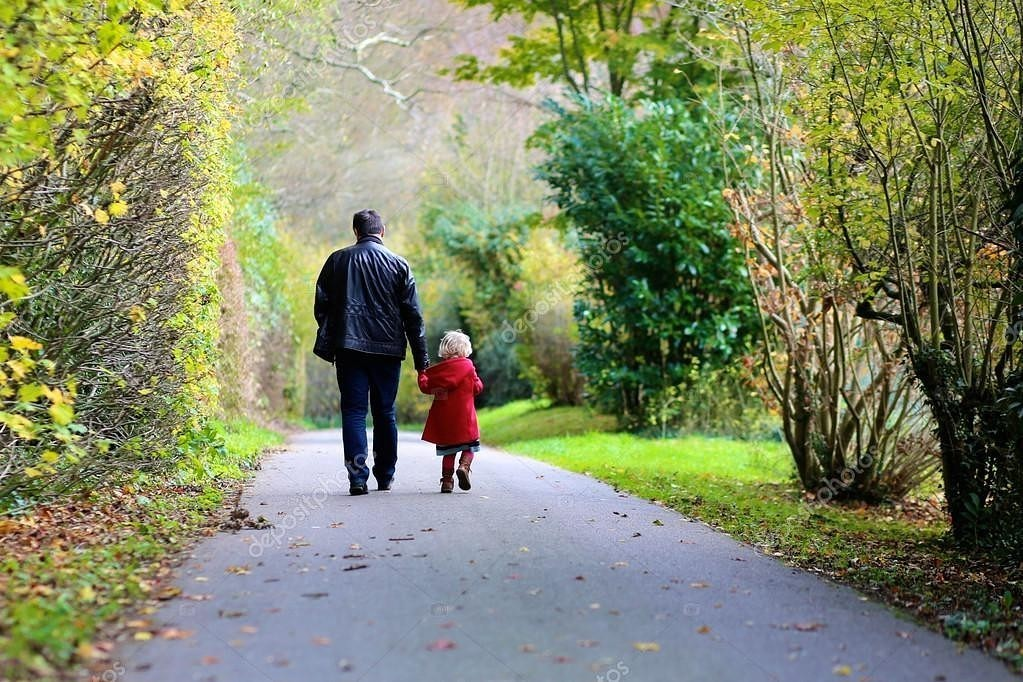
(366, 308)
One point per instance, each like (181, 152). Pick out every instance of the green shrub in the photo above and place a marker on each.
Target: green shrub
(665, 281)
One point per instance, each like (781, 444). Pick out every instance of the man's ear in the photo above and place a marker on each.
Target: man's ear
(383, 230)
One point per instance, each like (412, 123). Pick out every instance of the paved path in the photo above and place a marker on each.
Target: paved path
(536, 574)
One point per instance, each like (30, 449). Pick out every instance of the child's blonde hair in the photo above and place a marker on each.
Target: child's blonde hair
(455, 344)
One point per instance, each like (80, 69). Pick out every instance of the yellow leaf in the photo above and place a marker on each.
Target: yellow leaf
(62, 414)
(117, 188)
(87, 593)
(19, 368)
(54, 395)
(86, 650)
(137, 314)
(117, 208)
(19, 424)
(101, 216)
(842, 670)
(28, 393)
(23, 343)
(49, 456)
(646, 647)
(143, 636)
(32, 472)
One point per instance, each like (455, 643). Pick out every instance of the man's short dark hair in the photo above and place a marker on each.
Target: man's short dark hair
(367, 222)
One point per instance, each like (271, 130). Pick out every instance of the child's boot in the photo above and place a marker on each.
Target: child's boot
(464, 464)
(447, 481)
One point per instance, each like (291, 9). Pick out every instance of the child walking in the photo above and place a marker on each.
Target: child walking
(451, 424)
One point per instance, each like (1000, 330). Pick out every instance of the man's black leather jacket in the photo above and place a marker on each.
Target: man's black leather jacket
(366, 301)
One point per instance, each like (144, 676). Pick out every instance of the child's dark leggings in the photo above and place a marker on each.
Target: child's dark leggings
(447, 465)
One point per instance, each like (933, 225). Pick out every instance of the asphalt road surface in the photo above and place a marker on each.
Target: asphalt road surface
(534, 574)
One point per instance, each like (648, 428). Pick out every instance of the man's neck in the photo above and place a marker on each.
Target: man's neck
(370, 237)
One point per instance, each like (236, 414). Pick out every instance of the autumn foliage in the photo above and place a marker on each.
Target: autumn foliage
(113, 203)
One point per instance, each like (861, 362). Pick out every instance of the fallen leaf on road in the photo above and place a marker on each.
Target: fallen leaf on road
(658, 522)
(580, 577)
(209, 660)
(174, 633)
(143, 636)
(562, 659)
(316, 595)
(201, 579)
(238, 570)
(527, 648)
(842, 670)
(249, 629)
(345, 666)
(355, 545)
(138, 623)
(353, 567)
(337, 524)
(441, 645)
(588, 643)
(619, 564)
(699, 585)
(523, 549)
(168, 592)
(808, 627)
(230, 614)
(646, 647)
(703, 629)
(87, 650)
(321, 641)
(400, 539)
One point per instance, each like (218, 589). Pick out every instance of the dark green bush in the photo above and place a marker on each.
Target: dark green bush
(665, 281)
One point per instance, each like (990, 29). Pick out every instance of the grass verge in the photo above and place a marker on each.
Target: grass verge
(75, 564)
(898, 553)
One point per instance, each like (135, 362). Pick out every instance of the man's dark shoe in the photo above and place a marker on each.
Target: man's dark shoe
(359, 489)
(384, 485)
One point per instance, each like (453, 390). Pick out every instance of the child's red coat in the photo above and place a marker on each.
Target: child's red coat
(453, 384)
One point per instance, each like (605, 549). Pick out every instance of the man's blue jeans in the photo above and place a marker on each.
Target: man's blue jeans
(360, 375)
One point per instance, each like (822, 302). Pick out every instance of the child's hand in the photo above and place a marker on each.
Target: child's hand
(424, 383)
